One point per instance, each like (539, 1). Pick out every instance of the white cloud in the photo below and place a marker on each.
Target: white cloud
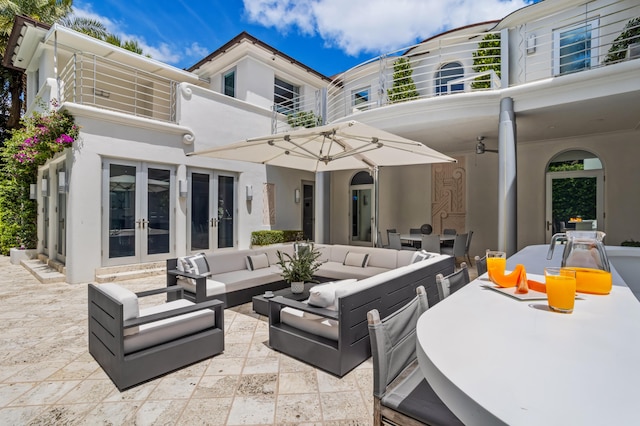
(196, 50)
(375, 26)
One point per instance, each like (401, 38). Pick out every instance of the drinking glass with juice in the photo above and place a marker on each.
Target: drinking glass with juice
(561, 288)
(496, 261)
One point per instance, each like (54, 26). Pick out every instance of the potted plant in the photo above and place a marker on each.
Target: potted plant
(299, 268)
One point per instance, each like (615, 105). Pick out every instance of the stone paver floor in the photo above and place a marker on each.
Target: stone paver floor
(48, 377)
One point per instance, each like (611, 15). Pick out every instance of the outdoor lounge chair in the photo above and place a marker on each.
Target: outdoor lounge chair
(453, 282)
(401, 394)
(133, 345)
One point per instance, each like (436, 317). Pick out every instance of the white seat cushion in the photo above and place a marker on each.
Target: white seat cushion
(163, 331)
(324, 295)
(314, 324)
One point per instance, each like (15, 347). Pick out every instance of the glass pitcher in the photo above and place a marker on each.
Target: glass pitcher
(583, 249)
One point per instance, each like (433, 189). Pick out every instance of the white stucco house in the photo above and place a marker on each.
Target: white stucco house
(127, 196)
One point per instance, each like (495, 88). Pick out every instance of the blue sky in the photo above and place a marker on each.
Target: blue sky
(329, 36)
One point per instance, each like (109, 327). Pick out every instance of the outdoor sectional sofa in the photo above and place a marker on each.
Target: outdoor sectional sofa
(234, 277)
(335, 337)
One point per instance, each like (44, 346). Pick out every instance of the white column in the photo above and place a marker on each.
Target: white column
(507, 179)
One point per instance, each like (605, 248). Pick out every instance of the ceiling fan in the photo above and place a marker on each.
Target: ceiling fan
(480, 148)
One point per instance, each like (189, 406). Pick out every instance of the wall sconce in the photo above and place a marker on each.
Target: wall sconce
(62, 182)
(296, 195)
(531, 43)
(45, 187)
(32, 191)
(182, 188)
(249, 192)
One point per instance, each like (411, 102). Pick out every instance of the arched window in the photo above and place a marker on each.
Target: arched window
(446, 73)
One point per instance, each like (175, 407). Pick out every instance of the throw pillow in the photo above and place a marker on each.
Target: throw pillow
(420, 256)
(196, 264)
(323, 295)
(257, 261)
(356, 259)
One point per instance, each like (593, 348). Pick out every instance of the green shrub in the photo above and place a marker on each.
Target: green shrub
(304, 119)
(630, 243)
(630, 35)
(275, 236)
(41, 136)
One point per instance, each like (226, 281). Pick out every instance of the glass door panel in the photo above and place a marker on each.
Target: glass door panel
(122, 211)
(226, 211)
(361, 215)
(200, 211)
(158, 211)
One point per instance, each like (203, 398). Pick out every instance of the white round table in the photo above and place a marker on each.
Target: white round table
(497, 360)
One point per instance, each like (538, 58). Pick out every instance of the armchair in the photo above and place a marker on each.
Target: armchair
(133, 345)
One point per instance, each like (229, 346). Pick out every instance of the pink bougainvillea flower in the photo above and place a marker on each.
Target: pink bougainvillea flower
(64, 139)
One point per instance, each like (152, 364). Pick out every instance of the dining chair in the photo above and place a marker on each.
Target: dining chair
(431, 243)
(452, 282)
(401, 394)
(458, 248)
(448, 231)
(467, 245)
(481, 264)
(415, 231)
(396, 243)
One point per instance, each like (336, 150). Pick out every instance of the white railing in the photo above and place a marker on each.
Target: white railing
(91, 80)
(595, 34)
(296, 110)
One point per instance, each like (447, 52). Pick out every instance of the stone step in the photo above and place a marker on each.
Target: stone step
(43, 271)
(128, 272)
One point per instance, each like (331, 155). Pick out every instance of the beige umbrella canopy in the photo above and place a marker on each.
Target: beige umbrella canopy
(340, 146)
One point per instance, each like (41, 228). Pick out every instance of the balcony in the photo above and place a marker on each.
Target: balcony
(91, 80)
(472, 59)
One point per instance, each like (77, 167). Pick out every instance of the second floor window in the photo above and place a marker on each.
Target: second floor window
(286, 97)
(574, 47)
(446, 73)
(360, 98)
(229, 83)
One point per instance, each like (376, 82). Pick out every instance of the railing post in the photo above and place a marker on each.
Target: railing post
(75, 77)
(382, 81)
(504, 58)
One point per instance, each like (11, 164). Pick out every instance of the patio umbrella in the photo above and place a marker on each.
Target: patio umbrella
(340, 146)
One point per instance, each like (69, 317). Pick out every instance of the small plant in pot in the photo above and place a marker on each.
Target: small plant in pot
(299, 268)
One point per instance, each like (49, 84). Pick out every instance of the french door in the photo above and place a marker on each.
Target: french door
(139, 221)
(361, 214)
(61, 209)
(212, 212)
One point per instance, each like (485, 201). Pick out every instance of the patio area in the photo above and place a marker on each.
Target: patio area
(47, 375)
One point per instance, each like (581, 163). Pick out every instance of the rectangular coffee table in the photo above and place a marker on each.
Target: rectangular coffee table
(261, 303)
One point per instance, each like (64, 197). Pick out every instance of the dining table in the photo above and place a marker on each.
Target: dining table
(495, 357)
(418, 237)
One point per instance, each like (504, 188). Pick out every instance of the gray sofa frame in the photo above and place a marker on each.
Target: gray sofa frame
(353, 345)
(229, 299)
(106, 339)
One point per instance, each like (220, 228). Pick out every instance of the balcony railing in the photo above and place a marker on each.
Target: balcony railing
(593, 35)
(91, 80)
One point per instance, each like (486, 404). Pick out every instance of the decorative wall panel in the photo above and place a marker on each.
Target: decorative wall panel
(448, 204)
